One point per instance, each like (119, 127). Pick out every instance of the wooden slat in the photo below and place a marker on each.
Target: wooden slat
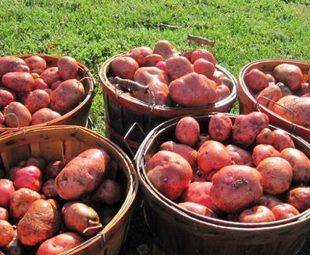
(52, 151)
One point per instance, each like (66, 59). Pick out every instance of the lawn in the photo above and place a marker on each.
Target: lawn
(92, 31)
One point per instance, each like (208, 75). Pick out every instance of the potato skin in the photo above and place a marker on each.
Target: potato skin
(82, 174)
(109, 192)
(22, 113)
(266, 136)
(282, 140)
(60, 244)
(198, 208)
(124, 67)
(50, 75)
(152, 60)
(6, 233)
(146, 75)
(300, 198)
(257, 214)
(220, 127)
(140, 54)
(269, 201)
(178, 66)
(289, 74)
(165, 49)
(18, 81)
(262, 151)
(12, 64)
(205, 67)
(187, 130)
(67, 67)
(203, 53)
(284, 211)
(269, 95)
(36, 64)
(36, 100)
(67, 95)
(44, 115)
(6, 97)
(256, 80)
(239, 156)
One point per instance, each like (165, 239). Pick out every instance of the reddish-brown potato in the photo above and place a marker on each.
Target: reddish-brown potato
(48, 189)
(44, 115)
(269, 95)
(82, 174)
(269, 201)
(60, 244)
(109, 192)
(53, 168)
(239, 156)
(6, 97)
(236, 187)
(145, 75)
(67, 95)
(300, 163)
(184, 150)
(193, 90)
(205, 67)
(222, 91)
(282, 140)
(165, 49)
(140, 54)
(124, 67)
(36, 64)
(289, 74)
(212, 155)
(6, 233)
(203, 53)
(220, 127)
(17, 115)
(256, 80)
(266, 136)
(37, 161)
(178, 66)
(270, 78)
(198, 208)
(39, 83)
(6, 191)
(162, 66)
(277, 175)
(284, 211)
(300, 198)
(36, 100)
(18, 81)
(50, 75)
(4, 214)
(262, 151)
(152, 59)
(187, 54)
(28, 177)
(68, 67)
(12, 64)
(187, 130)
(169, 172)
(257, 214)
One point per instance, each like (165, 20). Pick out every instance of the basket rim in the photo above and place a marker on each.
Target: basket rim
(123, 97)
(160, 198)
(88, 98)
(247, 92)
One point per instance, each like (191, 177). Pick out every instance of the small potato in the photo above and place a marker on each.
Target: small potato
(48, 189)
(6, 233)
(109, 192)
(37, 161)
(290, 74)
(140, 54)
(68, 67)
(17, 115)
(165, 49)
(187, 131)
(54, 168)
(6, 97)
(50, 75)
(4, 214)
(239, 156)
(284, 211)
(205, 67)
(269, 201)
(262, 151)
(67, 95)
(256, 80)
(266, 136)
(220, 127)
(152, 59)
(203, 53)
(12, 64)
(39, 83)
(198, 208)
(282, 140)
(178, 66)
(36, 64)
(44, 115)
(36, 100)
(269, 95)
(222, 91)
(6, 191)
(124, 67)
(300, 198)
(18, 81)
(256, 214)
(146, 75)
(28, 177)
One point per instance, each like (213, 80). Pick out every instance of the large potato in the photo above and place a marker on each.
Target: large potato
(67, 67)
(36, 64)
(165, 49)
(12, 64)
(18, 81)
(17, 115)
(262, 151)
(290, 74)
(44, 115)
(82, 174)
(178, 66)
(67, 95)
(193, 90)
(124, 67)
(36, 100)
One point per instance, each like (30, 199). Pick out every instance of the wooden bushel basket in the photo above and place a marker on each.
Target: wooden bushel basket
(76, 116)
(177, 231)
(248, 102)
(125, 113)
(64, 143)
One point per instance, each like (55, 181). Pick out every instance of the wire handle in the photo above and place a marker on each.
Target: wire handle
(136, 124)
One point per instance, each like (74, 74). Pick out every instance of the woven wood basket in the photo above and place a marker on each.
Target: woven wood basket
(78, 115)
(125, 113)
(248, 103)
(64, 143)
(178, 231)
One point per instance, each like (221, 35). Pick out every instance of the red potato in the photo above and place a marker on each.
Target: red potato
(50, 75)
(262, 151)
(36, 100)
(28, 177)
(266, 136)
(205, 67)
(183, 150)
(40, 222)
(68, 67)
(4, 214)
(165, 49)
(220, 127)
(39, 83)
(269, 201)
(124, 67)
(257, 214)
(81, 218)
(6, 233)
(178, 66)
(140, 54)
(269, 95)
(202, 53)
(284, 211)
(277, 175)
(37, 161)
(21, 200)
(6, 97)
(235, 187)
(239, 156)
(6, 191)
(187, 131)
(198, 208)
(169, 172)
(109, 192)
(17, 115)
(282, 140)
(48, 189)
(60, 244)
(199, 192)
(222, 91)
(270, 78)
(12, 64)
(289, 74)
(162, 66)
(36, 64)
(193, 90)
(18, 81)
(300, 198)
(44, 115)
(145, 75)
(152, 59)
(82, 174)
(247, 127)
(256, 80)
(53, 168)
(212, 155)
(67, 95)
(299, 162)
(187, 54)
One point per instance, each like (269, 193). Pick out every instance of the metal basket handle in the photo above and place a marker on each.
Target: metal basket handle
(135, 124)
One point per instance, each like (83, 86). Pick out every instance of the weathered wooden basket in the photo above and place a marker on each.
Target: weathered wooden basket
(178, 231)
(64, 143)
(76, 116)
(248, 102)
(125, 113)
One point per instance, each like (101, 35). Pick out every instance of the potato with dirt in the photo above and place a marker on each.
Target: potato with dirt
(178, 66)
(262, 151)
(282, 140)
(165, 49)
(44, 115)
(82, 174)
(256, 80)
(239, 156)
(187, 130)
(6, 233)
(220, 127)
(18, 81)
(6, 97)
(17, 115)
(50, 75)
(266, 136)
(36, 100)
(290, 74)
(284, 211)
(36, 64)
(12, 64)
(68, 67)
(299, 197)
